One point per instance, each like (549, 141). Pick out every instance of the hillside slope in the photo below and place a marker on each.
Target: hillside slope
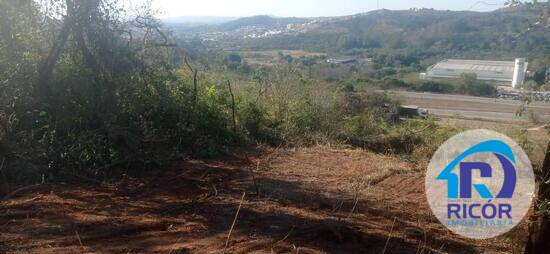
(504, 30)
(264, 21)
(310, 200)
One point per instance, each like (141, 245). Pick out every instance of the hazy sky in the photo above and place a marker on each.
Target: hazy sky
(308, 8)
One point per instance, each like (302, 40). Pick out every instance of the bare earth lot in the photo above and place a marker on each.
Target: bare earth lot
(310, 200)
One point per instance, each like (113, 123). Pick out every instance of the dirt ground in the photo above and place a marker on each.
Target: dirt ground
(308, 200)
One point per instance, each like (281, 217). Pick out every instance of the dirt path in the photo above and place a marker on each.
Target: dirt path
(311, 200)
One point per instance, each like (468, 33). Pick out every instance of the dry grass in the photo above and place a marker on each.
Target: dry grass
(313, 200)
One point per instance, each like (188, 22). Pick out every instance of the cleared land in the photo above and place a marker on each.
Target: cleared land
(310, 200)
(270, 57)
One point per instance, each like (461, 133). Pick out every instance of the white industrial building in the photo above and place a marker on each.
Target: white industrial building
(505, 72)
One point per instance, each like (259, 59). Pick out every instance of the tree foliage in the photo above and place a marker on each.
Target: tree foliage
(88, 87)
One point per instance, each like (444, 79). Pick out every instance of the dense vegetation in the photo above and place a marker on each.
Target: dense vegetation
(467, 84)
(88, 91)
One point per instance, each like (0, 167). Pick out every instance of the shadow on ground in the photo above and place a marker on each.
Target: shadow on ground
(190, 208)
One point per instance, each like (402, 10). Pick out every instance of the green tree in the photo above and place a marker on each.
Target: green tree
(469, 84)
(233, 61)
(88, 90)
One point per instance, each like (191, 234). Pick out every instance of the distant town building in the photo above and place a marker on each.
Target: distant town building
(342, 60)
(505, 72)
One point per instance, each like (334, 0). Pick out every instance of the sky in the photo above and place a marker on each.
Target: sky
(308, 8)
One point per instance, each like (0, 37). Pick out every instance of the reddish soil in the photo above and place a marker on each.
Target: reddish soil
(311, 200)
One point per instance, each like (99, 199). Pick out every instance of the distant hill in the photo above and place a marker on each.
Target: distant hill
(194, 21)
(263, 21)
(505, 30)
(501, 34)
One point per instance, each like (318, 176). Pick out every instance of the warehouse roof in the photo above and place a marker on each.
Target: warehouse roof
(502, 71)
(477, 65)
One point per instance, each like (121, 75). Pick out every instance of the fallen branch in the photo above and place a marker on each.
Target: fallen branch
(425, 240)
(338, 206)
(354, 206)
(233, 224)
(421, 244)
(174, 247)
(441, 248)
(389, 236)
(79, 240)
(286, 236)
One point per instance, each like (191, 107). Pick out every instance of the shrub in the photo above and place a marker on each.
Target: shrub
(433, 86)
(363, 126)
(389, 83)
(478, 89)
(254, 121)
(471, 86)
(233, 61)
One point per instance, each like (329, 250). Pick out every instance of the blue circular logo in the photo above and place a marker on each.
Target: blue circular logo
(480, 184)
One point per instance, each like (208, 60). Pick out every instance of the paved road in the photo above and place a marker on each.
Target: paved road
(474, 107)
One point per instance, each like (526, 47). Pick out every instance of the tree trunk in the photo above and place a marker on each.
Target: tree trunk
(48, 64)
(232, 106)
(539, 235)
(195, 86)
(195, 80)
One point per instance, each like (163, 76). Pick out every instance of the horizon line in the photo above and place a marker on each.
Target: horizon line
(329, 16)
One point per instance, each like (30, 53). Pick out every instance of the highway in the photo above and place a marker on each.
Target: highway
(471, 107)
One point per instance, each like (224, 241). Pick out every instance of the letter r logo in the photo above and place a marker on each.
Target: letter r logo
(460, 184)
(466, 169)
